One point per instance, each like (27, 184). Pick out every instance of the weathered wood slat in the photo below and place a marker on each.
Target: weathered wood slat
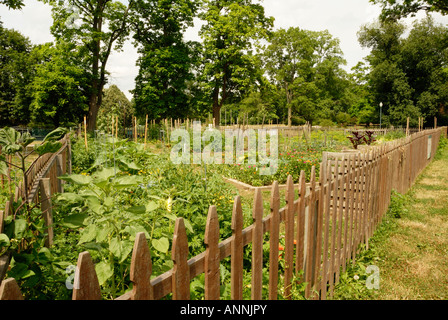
(141, 269)
(181, 272)
(274, 242)
(9, 290)
(86, 286)
(289, 236)
(212, 259)
(257, 247)
(236, 246)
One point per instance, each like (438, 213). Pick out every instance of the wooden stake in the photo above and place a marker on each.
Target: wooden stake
(146, 130)
(85, 132)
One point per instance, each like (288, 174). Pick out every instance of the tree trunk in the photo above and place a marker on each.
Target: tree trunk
(93, 99)
(288, 103)
(216, 106)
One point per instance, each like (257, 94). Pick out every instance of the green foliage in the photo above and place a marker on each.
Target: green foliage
(16, 74)
(12, 4)
(104, 206)
(60, 86)
(39, 273)
(115, 105)
(159, 28)
(231, 32)
(394, 10)
(407, 74)
(295, 60)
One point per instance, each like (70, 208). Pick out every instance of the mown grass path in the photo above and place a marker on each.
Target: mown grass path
(413, 257)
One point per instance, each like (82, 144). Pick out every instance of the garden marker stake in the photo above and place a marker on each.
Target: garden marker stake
(85, 132)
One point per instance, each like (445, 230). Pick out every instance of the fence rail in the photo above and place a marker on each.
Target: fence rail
(42, 182)
(323, 225)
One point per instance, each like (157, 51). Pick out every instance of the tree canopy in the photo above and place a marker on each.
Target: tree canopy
(242, 68)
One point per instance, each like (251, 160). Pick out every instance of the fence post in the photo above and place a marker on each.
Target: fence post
(289, 236)
(257, 247)
(179, 255)
(47, 211)
(59, 172)
(300, 244)
(274, 241)
(311, 235)
(9, 290)
(86, 285)
(326, 195)
(141, 269)
(237, 251)
(211, 263)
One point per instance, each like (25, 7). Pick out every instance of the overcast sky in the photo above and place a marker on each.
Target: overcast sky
(342, 19)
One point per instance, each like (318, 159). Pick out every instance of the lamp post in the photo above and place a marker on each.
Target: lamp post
(381, 111)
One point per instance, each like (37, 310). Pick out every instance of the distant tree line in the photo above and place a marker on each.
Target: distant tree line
(241, 70)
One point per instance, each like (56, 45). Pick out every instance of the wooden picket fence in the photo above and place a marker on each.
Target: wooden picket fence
(323, 223)
(42, 182)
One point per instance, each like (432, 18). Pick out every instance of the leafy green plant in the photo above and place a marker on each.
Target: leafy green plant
(15, 143)
(40, 274)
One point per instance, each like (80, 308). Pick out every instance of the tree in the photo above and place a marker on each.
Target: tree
(16, 73)
(407, 74)
(161, 87)
(395, 10)
(387, 81)
(305, 66)
(115, 104)
(13, 4)
(231, 31)
(97, 27)
(425, 55)
(60, 86)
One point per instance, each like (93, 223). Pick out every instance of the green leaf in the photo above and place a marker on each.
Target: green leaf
(20, 271)
(48, 147)
(127, 181)
(104, 175)
(161, 244)
(10, 140)
(88, 234)
(4, 240)
(104, 271)
(56, 134)
(70, 197)
(120, 249)
(74, 221)
(78, 179)
(137, 209)
(151, 206)
(45, 255)
(94, 204)
(20, 226)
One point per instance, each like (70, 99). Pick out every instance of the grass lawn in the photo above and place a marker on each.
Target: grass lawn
(411, 245)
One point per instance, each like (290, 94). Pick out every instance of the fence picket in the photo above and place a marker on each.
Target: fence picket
(325, 174)
(179, 255)
(274, 242)
(212, 259)
(300, 244)
(47, 209)
(86, 286)
(289, 236)
(9, 290)
(341, 194)
(236, 272)
(309, 261)
(333, 225)
(141, 269)
(257, 247)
